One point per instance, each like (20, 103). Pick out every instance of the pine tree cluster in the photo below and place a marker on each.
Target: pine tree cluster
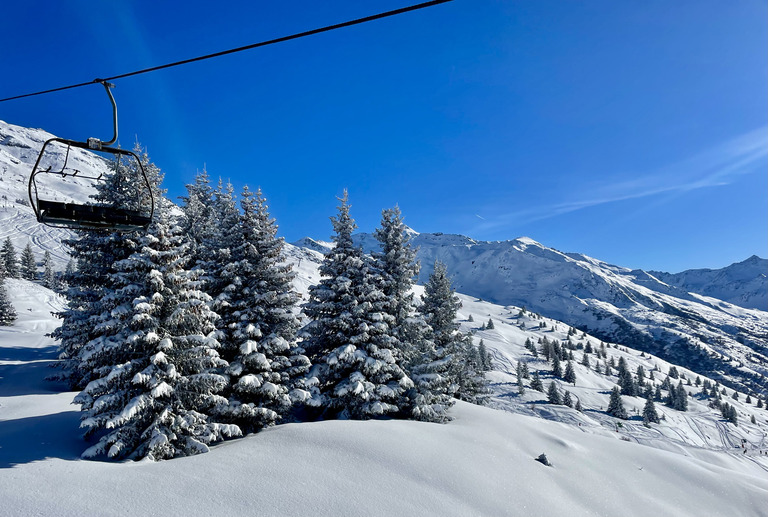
(190, 333)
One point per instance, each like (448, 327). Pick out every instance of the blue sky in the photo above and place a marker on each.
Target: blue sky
(632, 132)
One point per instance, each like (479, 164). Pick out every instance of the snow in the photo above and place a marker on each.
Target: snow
(481, 463)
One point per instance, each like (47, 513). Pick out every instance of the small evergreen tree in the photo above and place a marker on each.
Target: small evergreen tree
(557, 370)
(615, 404)
(49, 277)
(570, 373)
(28, 267)
(10, 260)
(567, 399)
(489, 325)
(578, 406)
(536, 383)
(649, 412)
(553, 395)
(7, 311)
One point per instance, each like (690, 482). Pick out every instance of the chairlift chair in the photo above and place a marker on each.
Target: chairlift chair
(90, 215)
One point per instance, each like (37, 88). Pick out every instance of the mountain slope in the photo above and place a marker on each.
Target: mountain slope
(743, 283)
(631, 307)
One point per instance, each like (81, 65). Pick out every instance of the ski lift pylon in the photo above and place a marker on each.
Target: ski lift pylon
(91, 216)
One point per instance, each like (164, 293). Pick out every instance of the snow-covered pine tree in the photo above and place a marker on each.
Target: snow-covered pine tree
(557, 369)
(536, 383)
(553, 394)
(10, 260)
(520, 378)
(397, 267)
(49, 276)
(430, 397)
(354, 358)
(89, 283)
(649, 412)
(570, 373)
(626, 381)
(154, 360)
(485, 356)
(260, 324)
(28, 268)
(681, 397)
(7, 311)
(615, 405)
(567, 399)
(439, 309)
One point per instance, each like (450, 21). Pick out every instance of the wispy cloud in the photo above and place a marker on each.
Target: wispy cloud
(718, 166)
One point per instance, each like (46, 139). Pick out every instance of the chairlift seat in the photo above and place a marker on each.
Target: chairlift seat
(72, 215)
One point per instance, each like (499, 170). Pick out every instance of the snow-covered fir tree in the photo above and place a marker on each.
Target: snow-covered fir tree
(615, 405)
(10, 260)
(7, 311)
(260, 325)
(649, 412)
(439, 307)
(570, 374)
(536, 383)
(355, 372)
(28, 267)
(397, 267)
(89, 282)
(553, 394)
(153, 356)
(50, 280)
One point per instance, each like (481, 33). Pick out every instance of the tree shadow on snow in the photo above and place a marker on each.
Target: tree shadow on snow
(36, 438)
(20, 353)
(28, 379)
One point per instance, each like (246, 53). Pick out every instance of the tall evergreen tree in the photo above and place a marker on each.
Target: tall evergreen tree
(439, 308)
(265, 360)
(354, 356)
(153, 357)
(615, 405)
(89, 284)
(10, 260)
(397, 266)
(28, 268)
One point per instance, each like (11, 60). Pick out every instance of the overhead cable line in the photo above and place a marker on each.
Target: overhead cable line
(240, 49)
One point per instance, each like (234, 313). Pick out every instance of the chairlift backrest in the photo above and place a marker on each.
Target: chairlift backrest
(83, 214)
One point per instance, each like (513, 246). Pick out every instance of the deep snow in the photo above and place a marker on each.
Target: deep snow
(481, 463)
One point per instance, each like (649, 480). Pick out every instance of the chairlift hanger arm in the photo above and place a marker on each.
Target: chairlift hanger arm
(95, 143)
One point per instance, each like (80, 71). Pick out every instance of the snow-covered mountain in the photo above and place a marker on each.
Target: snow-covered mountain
(743, 283)
(632, 307)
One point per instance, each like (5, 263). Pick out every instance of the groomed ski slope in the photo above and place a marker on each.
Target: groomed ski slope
(482, 463)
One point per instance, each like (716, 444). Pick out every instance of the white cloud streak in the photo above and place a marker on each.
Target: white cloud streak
(718, 166)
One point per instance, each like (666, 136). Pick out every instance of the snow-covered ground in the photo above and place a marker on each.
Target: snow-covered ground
(481, 463)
